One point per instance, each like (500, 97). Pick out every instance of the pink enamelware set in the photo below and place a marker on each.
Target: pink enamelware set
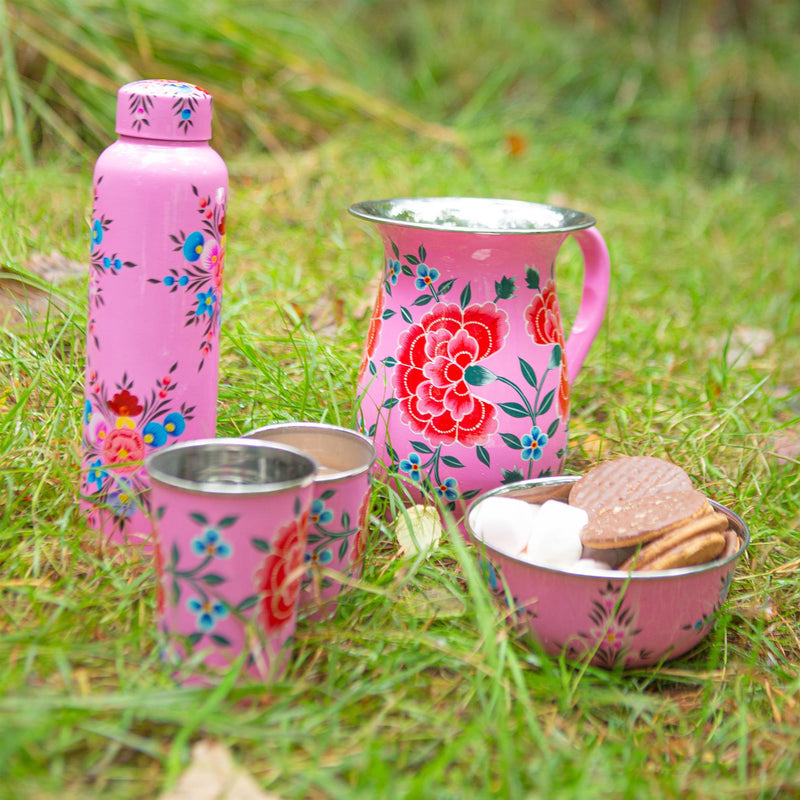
(464, 390)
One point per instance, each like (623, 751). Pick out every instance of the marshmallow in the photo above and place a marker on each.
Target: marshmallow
(590, 565)
(504, 523)
(555, 538)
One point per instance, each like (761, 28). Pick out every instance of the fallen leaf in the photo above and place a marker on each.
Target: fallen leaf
(26, 292)
(744, 343)
(418, 529)
(786, 445)
(516, 144)
(213, 775)
(55, 267)
(325, 317)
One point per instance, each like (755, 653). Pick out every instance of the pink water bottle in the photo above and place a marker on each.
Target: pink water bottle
(155, 291)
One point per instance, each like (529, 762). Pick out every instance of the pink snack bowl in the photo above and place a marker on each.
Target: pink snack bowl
(613, 619)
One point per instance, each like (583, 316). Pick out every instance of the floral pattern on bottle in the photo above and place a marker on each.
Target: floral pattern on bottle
(438, 369)
(202, 252)
(120, 426)
(141, 105)
(104, 263)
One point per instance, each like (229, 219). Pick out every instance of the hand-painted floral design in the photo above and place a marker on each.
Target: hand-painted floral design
(331, 534)
(412, 466)
(706, 619)
(199, 278)
(320, 515)
(210, 544)
(120, 427)
(543, 323)
(518, 613)
(187, 96)
(436, 364)
(140, 106)
(319, 557)
(104, 264)
(122, 501)
(447, 489)
(360, 541)
(427, 474)
(123, 448)
(373, 335)
(208, 612)
(392, 270)
(185, 104)
(614, 627)
(426, 277)
(279, 576)
(158, 569)
(194, 573)
(533, 444)
(433, 356)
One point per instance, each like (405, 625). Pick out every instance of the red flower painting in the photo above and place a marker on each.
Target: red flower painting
(543, 323)
(433, 356)
(122, 449)
(279, 576)
(360, 539)
(124, 404)
(373, 335)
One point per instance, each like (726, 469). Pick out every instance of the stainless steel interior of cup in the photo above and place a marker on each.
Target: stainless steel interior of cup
(472, 214)
(231, 466)
(558, 487)
(339, 452)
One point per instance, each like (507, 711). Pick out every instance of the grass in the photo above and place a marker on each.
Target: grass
(419, 687)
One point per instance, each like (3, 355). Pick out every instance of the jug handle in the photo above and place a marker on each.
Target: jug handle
(596, 278)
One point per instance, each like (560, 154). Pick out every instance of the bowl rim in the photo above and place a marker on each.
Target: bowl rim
(608, 574)
(477, 213)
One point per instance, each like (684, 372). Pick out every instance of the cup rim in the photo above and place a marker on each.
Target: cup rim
(613, 574)
(477, 215)
(158, 475)
(323, 429)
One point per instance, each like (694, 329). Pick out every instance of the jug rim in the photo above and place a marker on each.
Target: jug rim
(472, 215)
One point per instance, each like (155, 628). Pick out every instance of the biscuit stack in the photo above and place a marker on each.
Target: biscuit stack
(648, 509)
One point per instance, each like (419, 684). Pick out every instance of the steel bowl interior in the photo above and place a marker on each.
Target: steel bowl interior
(473, 215)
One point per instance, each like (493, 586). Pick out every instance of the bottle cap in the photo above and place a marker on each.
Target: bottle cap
(161, 109)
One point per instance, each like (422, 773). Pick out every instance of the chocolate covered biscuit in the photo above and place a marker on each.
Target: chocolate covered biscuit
(625, 480)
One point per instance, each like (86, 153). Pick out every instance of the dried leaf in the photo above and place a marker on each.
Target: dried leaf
(325, 317)
(744, 344)
(55, 267)
(213, 775)
(786, 445)
(26, 292)
(516, 144)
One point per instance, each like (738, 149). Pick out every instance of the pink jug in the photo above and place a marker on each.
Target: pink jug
(155, 290)
(465, 379)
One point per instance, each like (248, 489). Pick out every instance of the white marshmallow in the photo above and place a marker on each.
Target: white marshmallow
(504, 523)
(590, 565)
(555, 538)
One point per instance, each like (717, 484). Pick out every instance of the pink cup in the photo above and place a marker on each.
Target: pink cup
(230, 524)
(338, 523)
